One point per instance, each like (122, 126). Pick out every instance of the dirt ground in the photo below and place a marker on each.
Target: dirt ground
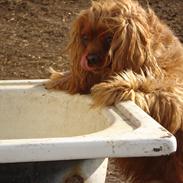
(33, 34)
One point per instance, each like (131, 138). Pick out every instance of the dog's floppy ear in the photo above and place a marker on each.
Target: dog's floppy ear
(81, 79)
(75, 51)
(130, 48)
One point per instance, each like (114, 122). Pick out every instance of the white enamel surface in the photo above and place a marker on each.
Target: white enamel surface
(40, 125)
(32, 112)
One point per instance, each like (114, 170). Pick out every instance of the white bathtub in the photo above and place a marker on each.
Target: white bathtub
(37, 125)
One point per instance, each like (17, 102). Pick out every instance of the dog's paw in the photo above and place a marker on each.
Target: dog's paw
(108, 93)
(51, 84)
(55, 79)
(116, 90)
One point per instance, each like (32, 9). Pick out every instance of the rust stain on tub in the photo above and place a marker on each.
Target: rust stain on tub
(158, 149)
(74, 179)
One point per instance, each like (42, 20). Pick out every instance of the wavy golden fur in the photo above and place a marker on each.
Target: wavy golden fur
(144, 63)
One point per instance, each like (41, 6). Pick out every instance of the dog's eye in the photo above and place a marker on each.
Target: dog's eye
(107, 41)
(84, 39)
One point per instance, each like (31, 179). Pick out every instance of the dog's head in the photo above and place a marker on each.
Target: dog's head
(112, 35)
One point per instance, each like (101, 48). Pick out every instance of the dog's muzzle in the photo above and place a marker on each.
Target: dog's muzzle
(93, 59)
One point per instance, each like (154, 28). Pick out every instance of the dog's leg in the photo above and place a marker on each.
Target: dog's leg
(68, 81)
(63, 81)
(126, 86)
(162, 101)
(58, 80)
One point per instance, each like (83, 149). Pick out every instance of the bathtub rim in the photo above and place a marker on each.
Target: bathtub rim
(94, 145)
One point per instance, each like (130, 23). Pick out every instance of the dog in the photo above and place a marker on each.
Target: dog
(120, 51)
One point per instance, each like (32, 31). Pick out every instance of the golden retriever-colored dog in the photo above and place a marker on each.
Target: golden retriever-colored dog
(120, 51)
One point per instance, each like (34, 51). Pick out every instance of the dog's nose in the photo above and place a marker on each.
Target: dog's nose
(92, 58)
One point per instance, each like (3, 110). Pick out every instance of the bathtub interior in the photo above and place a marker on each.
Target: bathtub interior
(27, 111)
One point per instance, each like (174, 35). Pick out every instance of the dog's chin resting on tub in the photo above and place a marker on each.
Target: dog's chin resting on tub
(120, 51)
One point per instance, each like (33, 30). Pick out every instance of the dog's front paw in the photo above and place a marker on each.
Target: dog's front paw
(119, 88)
(51, 84)
(108, 93)
(55, 79)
